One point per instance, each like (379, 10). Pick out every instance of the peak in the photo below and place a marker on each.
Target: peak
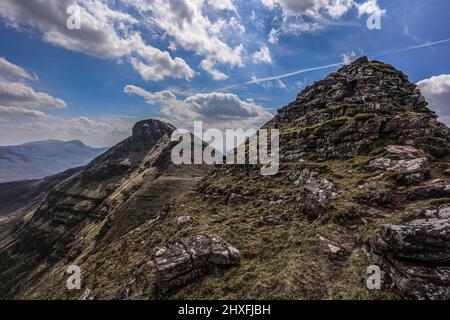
(152, 127)
(372, 84)
(76, 142)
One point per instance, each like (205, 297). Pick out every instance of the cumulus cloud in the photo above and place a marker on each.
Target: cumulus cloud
(222, 5)
(104, 33)
(313, 15)
(17, 111)
(150, 97)
(15, 92)
(437, 92)
(22, 117)
(190, 28)
(209, 66)
(215, 110)
(263, 55)
(10, 70)
(20, 94)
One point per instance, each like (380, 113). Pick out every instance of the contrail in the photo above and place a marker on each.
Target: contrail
(374, 55)
(282, 76)
(420, 46)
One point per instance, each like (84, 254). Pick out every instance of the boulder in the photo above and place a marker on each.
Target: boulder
(433, 189)
(186, 259)
(416, 255)
(403, 151)
(398, 165)
(317, 195)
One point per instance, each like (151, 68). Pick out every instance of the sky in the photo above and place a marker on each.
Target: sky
(90, 69)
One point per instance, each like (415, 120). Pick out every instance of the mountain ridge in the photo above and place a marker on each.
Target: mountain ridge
(362, 182)
(39, 159)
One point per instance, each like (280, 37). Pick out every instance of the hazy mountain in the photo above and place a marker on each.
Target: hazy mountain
(40, 159)
(363, 180)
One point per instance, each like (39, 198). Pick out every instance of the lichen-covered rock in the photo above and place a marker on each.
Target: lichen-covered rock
(317, 196)
(186, 259)
(416, 255)
(398, 165)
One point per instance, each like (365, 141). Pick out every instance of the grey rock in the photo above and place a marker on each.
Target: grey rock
(416, 255)
(186, 259)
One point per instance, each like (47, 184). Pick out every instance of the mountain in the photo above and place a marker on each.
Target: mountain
(363, 186)
(123, 188)
(36, 160)
(21, 197)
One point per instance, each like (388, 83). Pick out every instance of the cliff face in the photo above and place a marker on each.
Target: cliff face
(363, 181)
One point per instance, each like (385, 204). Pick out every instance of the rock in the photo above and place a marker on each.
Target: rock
(409, 165)
(271, 220)
(403, 151)
(317, 194)
(432, 189)
(377, 198)
(415, 255)
(447, 172)
(184, 220)
(397, 165)
(235, 198)
(186, 259)
(411, 178)
(124, 292)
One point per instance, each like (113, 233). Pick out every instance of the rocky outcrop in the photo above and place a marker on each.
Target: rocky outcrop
(186, 259)
(416, 254)
(345, 114)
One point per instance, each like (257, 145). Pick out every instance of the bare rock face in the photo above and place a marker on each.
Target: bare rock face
(416, 254)
(186, 259)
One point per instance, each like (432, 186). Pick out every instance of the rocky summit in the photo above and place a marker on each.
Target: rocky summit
(363, 182)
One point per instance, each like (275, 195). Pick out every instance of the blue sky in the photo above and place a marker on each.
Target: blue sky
(186, 60)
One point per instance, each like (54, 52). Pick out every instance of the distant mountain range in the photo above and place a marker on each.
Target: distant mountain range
(40, 159)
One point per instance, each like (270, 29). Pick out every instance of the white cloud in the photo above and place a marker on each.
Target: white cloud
(263, 55)
(222, 5)
(437, 92)
(16, 95)
(273, 36)
(150, 97)
(300, 16)
(20, 94)
(370, 7)
(104, 33)
(17, 111)
(349, 57)
(209, 66)
(10, 70)
(215, 110)
(185, 22)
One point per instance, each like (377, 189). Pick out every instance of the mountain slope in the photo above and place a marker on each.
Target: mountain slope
(40, 159)
(19, 198)
(363, 180)
(97, 204)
